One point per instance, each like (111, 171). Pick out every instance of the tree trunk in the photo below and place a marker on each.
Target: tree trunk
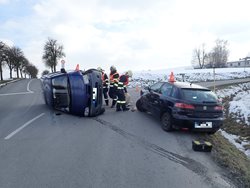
(54, 68)
(1, 72)
(10, 73)
(21, 74)
(17, 72)
(51, 68)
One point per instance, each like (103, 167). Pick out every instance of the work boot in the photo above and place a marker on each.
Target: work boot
(128, 104)
(107, 102)
(124, 108)
(118, 107)
(113, 104)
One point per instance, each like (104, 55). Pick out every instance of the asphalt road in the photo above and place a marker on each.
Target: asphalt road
(40, 147)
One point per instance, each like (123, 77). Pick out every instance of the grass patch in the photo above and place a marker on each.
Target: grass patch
(225, 153)
(229, 157)
(236, 128)
(247, 146)
(5, 81)
(232, 127)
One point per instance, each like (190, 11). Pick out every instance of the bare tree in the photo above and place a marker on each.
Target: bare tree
(52, 52)
(219, 55)
(16, 57)
(9, 60)
(3, 58)
(31, 70)
(199, 57)
(23, 63)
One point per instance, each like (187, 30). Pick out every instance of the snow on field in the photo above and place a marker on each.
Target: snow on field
(144, 78)
(239, 106)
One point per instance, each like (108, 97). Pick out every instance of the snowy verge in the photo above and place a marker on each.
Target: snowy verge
(233, 139)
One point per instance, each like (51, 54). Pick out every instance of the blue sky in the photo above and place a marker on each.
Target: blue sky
(131, 34)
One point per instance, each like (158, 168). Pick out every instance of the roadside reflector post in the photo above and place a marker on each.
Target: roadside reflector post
(183, 77)
(62, 66)
(214, 76)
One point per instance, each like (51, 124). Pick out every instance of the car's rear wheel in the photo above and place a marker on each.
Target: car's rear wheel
(166, 122)
(139, 106)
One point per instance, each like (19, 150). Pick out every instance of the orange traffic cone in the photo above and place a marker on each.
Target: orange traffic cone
(171, 77)
(77, 67)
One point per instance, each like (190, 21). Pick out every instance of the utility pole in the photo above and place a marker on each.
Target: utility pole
(214, 76)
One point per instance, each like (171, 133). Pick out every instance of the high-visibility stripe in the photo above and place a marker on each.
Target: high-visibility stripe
(208, 143)
(123, 102)
(197, 142)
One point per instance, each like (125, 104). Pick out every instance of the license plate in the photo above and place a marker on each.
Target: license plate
(203, 125)
(94, 93)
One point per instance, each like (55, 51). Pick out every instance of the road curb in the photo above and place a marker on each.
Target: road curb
(4, 84)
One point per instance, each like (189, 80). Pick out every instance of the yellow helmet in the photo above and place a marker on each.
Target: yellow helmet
(129, 73)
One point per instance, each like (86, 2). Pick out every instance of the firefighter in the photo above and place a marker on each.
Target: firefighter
(105, 83)
(121, 90)
(113, 84)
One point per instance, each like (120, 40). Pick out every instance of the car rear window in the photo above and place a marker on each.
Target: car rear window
(203, 96)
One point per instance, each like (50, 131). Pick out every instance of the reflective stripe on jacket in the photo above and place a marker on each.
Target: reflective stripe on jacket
(113, 79)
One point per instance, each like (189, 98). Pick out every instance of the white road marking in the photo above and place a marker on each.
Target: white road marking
(20, 93)
(28, 87)
(23, 126)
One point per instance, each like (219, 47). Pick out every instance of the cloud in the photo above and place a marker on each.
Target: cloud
(132, 34)
(4, 1)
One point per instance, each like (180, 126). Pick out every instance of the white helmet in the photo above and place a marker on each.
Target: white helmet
(113, 68)
(100, 69)
(129, 73)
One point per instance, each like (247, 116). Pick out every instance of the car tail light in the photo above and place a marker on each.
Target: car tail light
(184, 106)
(218, 108)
